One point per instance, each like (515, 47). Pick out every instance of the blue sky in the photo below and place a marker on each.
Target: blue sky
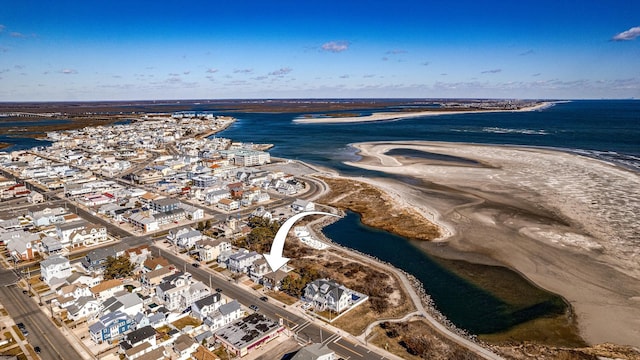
(130, 50)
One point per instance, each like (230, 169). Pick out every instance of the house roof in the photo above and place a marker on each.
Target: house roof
(312, 352)
(229, 308)
(106, 285)
(208, 300)
(54, 260)
(141, 334)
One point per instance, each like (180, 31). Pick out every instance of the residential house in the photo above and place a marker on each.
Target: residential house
(155, 264)
(24, 247)
(225, 314)
(184, 346)
(55, 267)
(329, 295)
(258, 269)
(144, 221)
(82, 278)
(152, 278)
(215, 196)
(129, 303)
(184, 237)
(228, 204)
(164, 205)
(155, 320)
(209, 249)
(145, 334)
(95, 259)
(171, 290)
(110, 327)
(314, 351)
(303, 205)
(107, 289)
(51, 245)
(273, 280)
(83, 307)
(75, 291)
(91, 234)
(207, 305)
(138, 255)
(170, 216)
(192, 212)
(35, 197)
(242, 260)
(158, 353)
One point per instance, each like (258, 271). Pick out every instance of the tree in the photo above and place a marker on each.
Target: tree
(118, 267)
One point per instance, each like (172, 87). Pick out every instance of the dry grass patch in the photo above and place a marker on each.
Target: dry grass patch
(282, 297)
(417, 340)
(186, 321)
(378, 209)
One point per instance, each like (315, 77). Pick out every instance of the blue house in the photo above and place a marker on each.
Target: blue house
(110, 327)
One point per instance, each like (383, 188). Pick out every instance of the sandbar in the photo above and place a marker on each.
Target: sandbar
(566, 222)
(386, 116)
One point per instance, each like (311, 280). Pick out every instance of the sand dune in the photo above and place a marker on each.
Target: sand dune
(568, 223)
(384, 116)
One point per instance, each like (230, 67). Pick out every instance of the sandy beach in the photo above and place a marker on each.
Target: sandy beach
(385, 116)
(566, 222)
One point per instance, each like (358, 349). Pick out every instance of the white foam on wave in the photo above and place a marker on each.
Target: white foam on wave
(499, 130)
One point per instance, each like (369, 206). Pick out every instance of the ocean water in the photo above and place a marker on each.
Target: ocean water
(609, 130)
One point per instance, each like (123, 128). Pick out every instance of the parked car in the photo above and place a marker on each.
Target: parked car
(23, 329)
(254, 307)
(37, 349)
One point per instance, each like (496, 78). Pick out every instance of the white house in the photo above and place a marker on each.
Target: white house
(314, 352)
(303, 205)
(55, 266)
(225, 314)
(209, 249)
(207, 305)
(192, 212)
(242, 260)
(83, 307)
(228, 204)
(329, 295)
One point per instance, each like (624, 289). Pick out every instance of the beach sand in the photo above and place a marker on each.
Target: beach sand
(385, 116)
(566, 222)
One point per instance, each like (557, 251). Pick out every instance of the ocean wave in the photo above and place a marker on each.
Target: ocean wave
(499, 130)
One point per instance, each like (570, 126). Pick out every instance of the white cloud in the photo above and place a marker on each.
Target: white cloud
(16, 34)
(242, 71)
(281, 71)
(396, 52)
(186, 72)
(212, 70)
(2, 27)
(335, 46)
(528, 52)
(426, 63)
(627, 35)
(492, 71)
(68, 71)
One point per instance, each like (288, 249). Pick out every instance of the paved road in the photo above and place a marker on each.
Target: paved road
(42, 331)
